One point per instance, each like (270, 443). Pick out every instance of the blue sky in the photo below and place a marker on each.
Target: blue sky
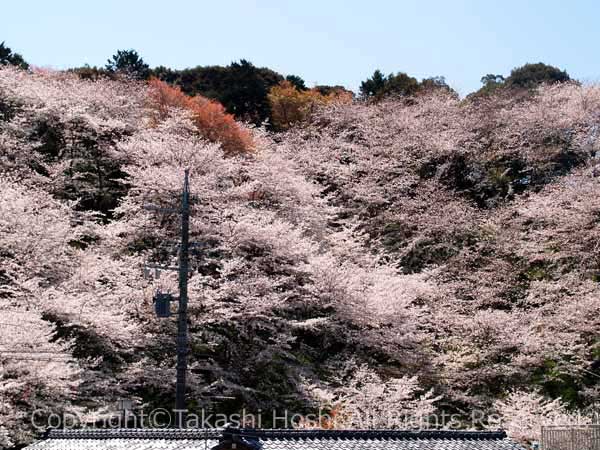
(325, 42)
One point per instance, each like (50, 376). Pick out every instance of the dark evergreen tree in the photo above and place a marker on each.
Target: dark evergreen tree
(379, 86)
(165, 74)
(297, 82)
(531, 75)
(435, 83)
(401, 84)
(88, 72)
(130, 63)
(492, 80)
(241, 87)
(374, 86)
(246, 93)
(326, 90)
(7, 57)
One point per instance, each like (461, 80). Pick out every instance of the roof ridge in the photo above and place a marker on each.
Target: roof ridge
(256, 433)
(135, 433)
(266, 434)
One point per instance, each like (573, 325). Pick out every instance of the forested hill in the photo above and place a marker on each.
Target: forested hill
(416, 255)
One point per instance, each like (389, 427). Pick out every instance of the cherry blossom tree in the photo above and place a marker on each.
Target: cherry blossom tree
(523, 414)
(403, 257)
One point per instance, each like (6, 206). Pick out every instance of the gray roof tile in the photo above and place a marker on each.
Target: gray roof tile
(371, 440)
(198, 439)
(123, 444)
(129, 439)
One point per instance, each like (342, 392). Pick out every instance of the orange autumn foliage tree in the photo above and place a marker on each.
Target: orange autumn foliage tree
(209, 116)
(290, 105)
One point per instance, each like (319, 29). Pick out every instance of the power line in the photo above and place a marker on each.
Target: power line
(41, 323)
(26, 344)
(574, 366)
(12, 325)
(34, 352)
(14, 358)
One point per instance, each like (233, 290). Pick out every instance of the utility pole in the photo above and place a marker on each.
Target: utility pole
(162, 300)
(182, 328)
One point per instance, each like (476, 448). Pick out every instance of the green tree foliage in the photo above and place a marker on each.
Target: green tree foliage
(327, 90)
(246, 96)
(492, 80)
(525, 77)
(88, 72)
(400, 84)
(374, 86)
(436, 83)
(130, 63)
(491, 84)
(297, 82)
(8, 57)
(166, 74)
(531, 75)
(241, 87)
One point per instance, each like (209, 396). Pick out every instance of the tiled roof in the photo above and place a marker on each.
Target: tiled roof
(137, 433)
(129, 439)
(366, 440)
(252, 439)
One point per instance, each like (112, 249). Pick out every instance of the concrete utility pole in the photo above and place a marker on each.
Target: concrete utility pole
(182, 328)
(162, 300)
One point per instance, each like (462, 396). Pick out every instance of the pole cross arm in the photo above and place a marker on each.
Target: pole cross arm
(161, 267)
(199, 245)
(193, 244)
(159, 209)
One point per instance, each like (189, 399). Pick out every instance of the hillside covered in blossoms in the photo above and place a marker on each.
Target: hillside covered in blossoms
(418, 254)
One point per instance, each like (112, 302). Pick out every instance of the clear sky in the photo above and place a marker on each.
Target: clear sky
(325, 41)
